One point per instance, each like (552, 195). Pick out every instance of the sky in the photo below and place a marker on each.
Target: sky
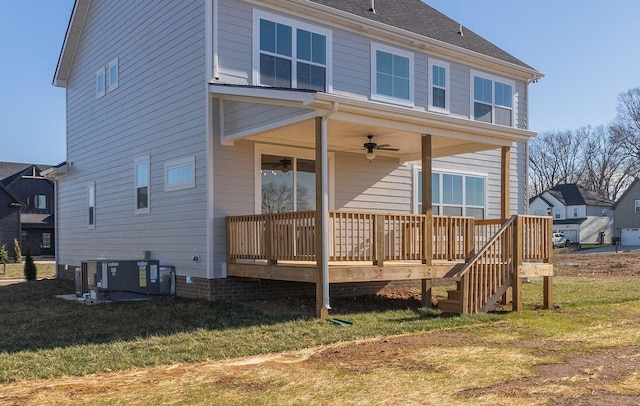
(587, 49)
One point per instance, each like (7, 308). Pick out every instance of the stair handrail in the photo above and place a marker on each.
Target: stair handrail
(488, 245)
(469, 304)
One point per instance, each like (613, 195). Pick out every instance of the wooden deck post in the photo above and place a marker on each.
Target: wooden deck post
(379, 240)
(322, 219)
(547, 284)
(516, 282)
(505, 177)
(427, 209)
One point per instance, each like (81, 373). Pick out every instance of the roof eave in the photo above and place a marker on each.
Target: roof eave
(410, 39)
(70, 44)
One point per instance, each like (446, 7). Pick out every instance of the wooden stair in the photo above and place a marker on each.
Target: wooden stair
(453, 302)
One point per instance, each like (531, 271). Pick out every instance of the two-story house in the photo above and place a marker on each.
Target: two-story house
(581, 215)
(27, 209)
(627, 215)
(251, 142)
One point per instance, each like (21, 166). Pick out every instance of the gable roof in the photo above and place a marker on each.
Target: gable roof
(629, 188)
(10, 171)
(411, 16)
(541, 198)
(420, 18)
(571, 194)
(15, 203)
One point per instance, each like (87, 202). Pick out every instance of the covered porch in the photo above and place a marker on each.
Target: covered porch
(324, 245)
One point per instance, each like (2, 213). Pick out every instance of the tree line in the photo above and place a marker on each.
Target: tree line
(604, 159)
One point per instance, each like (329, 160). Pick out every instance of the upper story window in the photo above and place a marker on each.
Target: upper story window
(40, 202)
(291, 54)
(637, 206)
(100, 83)
(492, 100)
(392, 75)
(142, 181)
(112, 73)
(438, 86)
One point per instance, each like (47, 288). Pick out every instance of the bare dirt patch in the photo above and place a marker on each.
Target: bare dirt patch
(607, 264)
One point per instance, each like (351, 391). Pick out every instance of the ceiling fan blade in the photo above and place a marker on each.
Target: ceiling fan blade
(387, 148)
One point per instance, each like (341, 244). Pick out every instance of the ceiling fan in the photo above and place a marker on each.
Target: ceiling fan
(370, 146)
(284, 164)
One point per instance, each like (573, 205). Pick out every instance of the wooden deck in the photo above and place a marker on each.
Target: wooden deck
(382, 247)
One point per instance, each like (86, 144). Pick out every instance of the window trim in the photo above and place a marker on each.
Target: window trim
(46, 240)
(267, 149)
(636, 203)
(113, 63)
(295, 25)
(447, 92)
(91, 196)
(440, 172)
(141, 160)
(375, 46)
(101, 78)
(179, 163)
(493, 79)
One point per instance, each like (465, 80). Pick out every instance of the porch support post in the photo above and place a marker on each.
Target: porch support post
(322, 219)
(505, 176)
(427, 209)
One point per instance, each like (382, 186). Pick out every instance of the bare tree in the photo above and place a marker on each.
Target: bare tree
(555, 157)
(607, 168)
(626, 127)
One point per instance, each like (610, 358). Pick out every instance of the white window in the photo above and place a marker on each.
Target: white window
(112, 75)
(291, 54)
(454, 194)
(637, 206)
(46, 240)
(286, 179)
(100, 83)
(180, 174)
(91, 203)
(492, 99)
(142, 175)
(575, 212)
(40, 202)
(438, 86)
(391, 75)
(556, 213)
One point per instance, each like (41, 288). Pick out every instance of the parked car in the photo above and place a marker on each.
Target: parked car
(559, 240)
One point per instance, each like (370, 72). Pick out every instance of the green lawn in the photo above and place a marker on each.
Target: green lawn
(45, 337)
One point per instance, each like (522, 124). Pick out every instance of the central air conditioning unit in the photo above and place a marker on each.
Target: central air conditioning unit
(118, 280)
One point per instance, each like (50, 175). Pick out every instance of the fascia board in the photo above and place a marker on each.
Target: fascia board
(403, 37)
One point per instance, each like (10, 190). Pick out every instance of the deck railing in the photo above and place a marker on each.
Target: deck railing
(353, 236)
(376, 237)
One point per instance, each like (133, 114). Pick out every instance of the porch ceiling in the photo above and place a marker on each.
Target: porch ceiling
(351, 120)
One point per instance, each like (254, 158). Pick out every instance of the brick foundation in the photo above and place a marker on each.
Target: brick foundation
(238, 289)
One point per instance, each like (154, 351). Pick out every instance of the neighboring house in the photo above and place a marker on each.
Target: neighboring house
(9, 219)
(627, 218)
(182, 114)
(581, 215)
(31, 198)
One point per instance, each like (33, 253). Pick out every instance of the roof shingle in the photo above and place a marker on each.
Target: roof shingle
(420, 18)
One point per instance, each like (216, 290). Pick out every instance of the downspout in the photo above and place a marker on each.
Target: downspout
(216, 74)
(325, 205)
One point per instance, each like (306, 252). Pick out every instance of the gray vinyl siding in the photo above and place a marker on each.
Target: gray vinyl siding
(157, 110)
(383, 187)
(351, 62)
(240, 116)
(625, 214)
